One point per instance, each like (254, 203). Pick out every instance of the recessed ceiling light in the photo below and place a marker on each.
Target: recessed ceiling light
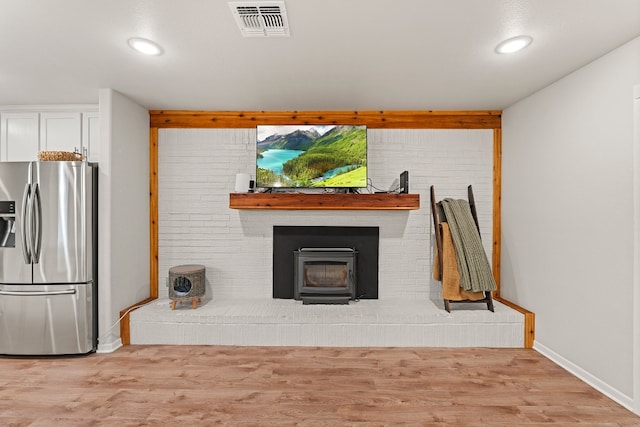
(145, 46)
(514, 44)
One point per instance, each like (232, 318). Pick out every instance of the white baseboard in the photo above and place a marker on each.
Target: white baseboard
(109, 347)
(585, 376)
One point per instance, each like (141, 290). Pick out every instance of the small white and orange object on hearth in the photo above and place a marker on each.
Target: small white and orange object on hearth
(186, 283)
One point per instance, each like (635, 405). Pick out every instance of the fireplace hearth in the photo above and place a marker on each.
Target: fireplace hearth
(360, 243)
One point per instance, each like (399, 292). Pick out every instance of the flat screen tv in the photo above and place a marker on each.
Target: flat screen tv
(311, 156)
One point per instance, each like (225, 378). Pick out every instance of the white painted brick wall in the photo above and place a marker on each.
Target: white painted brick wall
(197, 169)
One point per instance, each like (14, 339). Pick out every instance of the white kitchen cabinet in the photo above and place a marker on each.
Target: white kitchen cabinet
(20, 137)
(59, 128)
(61, 131)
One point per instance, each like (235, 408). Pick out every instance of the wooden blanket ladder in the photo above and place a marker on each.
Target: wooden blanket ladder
(438, 216)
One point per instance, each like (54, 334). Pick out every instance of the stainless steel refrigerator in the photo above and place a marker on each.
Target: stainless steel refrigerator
(48, 258)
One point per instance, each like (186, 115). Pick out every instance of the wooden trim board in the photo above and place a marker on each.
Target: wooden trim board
(373, 119)
(497, 207)
(529, 321)
(153, 211)
(125, 330)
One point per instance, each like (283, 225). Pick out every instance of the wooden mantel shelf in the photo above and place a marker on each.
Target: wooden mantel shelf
(324, 201)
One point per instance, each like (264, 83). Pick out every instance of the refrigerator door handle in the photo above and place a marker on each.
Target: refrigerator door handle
(26, 237)
(37, 215)
(37, 293)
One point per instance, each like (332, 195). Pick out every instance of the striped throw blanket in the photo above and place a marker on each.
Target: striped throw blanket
(473, 265)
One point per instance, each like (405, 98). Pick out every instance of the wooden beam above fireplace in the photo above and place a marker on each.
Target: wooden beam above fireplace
(485, 119)
(302, 201)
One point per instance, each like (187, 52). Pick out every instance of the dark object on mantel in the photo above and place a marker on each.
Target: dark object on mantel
(324, 201)
(404, 182)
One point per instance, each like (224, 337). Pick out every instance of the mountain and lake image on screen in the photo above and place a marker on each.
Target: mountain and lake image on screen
(311, 156)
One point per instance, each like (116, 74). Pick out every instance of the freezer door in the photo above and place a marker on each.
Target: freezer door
(46, 319)
(62, 236)
(15, 264)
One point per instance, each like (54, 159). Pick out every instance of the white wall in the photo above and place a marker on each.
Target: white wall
(567, 219)
(197, 169)
(123, 235)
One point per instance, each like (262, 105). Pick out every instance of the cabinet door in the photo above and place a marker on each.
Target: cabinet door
(19, 138)
(60, 132)
(91, 135)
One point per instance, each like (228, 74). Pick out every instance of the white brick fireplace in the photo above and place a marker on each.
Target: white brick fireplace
(197, 169)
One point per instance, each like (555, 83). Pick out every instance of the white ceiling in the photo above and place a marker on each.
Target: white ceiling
(341, 55)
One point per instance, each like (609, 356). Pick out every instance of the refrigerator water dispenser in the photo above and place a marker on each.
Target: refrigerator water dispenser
(7, 224)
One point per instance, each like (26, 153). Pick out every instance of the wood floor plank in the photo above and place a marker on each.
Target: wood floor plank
(281, 386)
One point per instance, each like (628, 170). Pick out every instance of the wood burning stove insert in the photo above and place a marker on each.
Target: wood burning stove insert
(289, 239)
(325, 275)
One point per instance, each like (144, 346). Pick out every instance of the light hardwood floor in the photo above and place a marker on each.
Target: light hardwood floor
(308, 386)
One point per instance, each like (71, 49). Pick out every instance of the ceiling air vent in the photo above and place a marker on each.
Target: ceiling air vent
(261, 18)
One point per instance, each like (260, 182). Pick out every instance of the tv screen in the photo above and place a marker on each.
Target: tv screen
(311, 156)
